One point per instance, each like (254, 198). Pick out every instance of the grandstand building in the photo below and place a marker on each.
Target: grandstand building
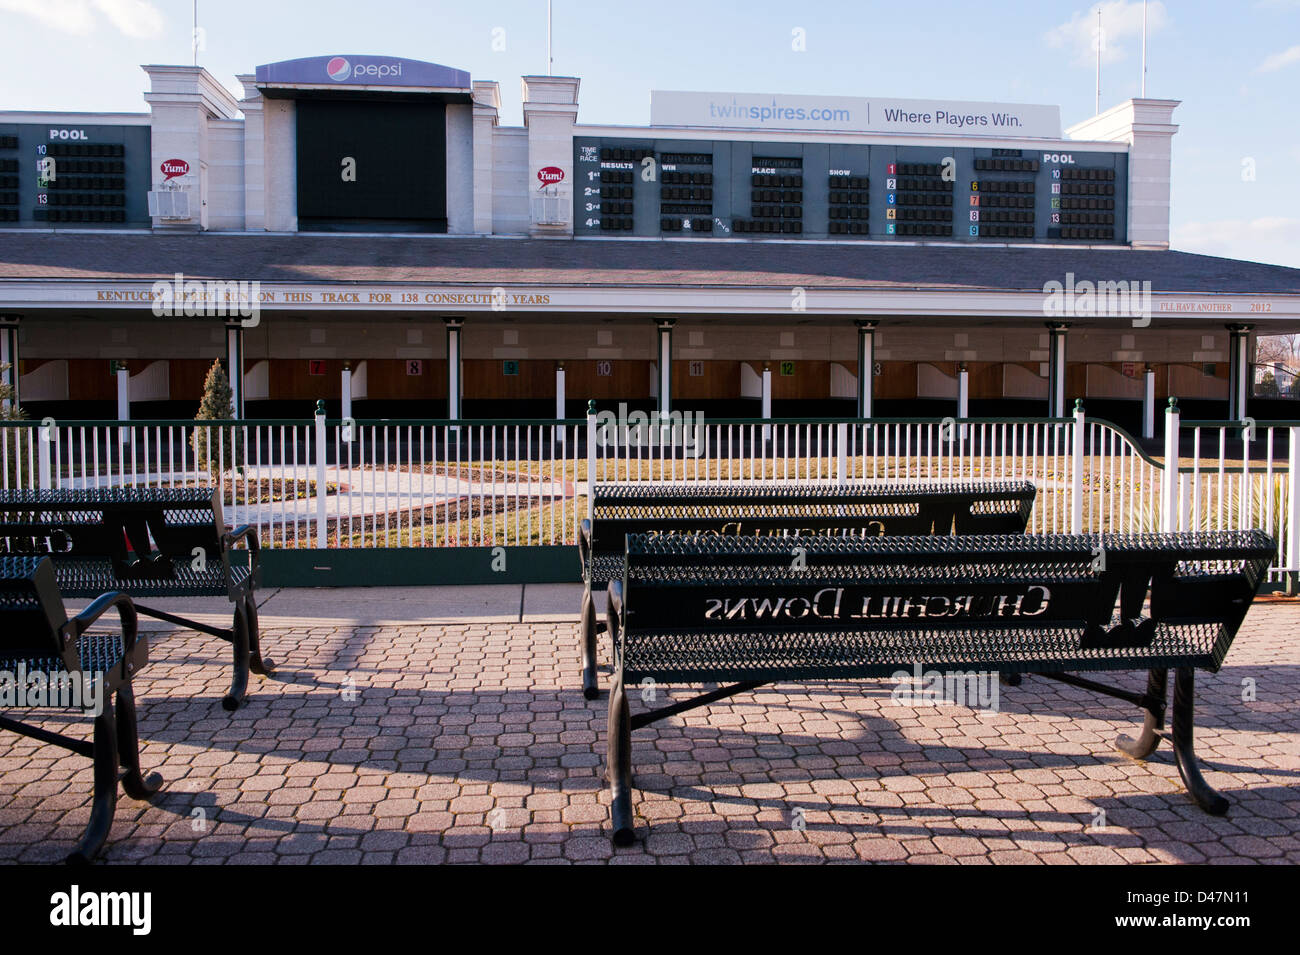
(363, 229)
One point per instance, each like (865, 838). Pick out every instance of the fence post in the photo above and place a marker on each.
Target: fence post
(1169, 477)
(591, 459)
(842, 453)
(1293, 515)
(320, 473)
(1076, 471)
(47, 435)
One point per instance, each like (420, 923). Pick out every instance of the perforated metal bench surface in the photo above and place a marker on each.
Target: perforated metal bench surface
(780, 509)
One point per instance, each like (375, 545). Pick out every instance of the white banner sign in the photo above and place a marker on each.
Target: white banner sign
(851, 114)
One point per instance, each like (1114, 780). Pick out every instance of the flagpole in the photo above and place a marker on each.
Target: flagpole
(1097, 100)
(1144, 49)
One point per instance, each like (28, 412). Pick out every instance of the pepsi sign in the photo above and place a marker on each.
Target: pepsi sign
(355, 70)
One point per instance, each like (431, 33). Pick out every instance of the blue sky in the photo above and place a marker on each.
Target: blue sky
(1235, 66)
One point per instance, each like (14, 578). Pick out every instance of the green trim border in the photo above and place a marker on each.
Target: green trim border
(418, 566)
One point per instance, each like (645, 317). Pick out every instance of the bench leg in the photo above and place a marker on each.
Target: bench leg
(587, 633)
(239, 642)
(1206, 796)
(1154, 722)
(134, 782)
(618, 764)
(259, 664)
(104, 801)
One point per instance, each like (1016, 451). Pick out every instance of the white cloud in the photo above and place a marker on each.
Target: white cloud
(1274, 239)
(134, 18)
(1120, 22)
(139, 19)
(1276, 61)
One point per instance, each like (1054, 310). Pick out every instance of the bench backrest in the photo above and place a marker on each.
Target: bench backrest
(145, 534)
(780, 510)
(31, 609)
(853, 606)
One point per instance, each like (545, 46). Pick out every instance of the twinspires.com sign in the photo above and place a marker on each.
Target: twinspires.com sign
(851, 114)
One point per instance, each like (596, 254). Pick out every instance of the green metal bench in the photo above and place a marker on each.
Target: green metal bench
(693, 609)
(148, 542)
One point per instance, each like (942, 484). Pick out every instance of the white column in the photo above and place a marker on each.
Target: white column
(123, 394)
(1056, 369)
(1238, 370)
(1076, 471)
(454, 327)
(123, 404)
(345, 391)
(1169, 482)
(235, 367)
(1149, 403)
(320, 473)
(766, 400)
(866, 366)
(559, 390)
(665, 326)
(963, 395)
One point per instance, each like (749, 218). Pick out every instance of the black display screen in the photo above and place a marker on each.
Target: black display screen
(366, 166)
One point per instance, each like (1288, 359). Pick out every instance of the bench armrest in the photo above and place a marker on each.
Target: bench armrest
(76, 626)
(615, 604)
(584, 545)
(248, 534)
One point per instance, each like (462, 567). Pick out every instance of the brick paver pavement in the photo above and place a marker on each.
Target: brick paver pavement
(471, 743)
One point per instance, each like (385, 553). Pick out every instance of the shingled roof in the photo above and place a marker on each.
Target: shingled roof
(449, 260)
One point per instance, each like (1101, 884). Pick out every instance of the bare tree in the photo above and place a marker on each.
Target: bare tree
(1272, 349)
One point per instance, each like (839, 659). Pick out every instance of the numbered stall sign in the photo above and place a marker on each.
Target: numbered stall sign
(696, 369)
(604, 369)
(414, 366)
(510, 368)
(787, 369)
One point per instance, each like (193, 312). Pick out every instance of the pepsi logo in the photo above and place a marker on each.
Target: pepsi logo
(171, 168)
(339, 69)
(549, 175)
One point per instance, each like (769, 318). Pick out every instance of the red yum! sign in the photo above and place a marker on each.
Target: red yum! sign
(171, 168)
(550, 175)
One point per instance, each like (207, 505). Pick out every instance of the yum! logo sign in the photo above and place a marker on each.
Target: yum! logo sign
(171, 168)
(550, 175)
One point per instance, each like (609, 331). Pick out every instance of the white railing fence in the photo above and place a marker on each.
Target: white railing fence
(320, 483)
